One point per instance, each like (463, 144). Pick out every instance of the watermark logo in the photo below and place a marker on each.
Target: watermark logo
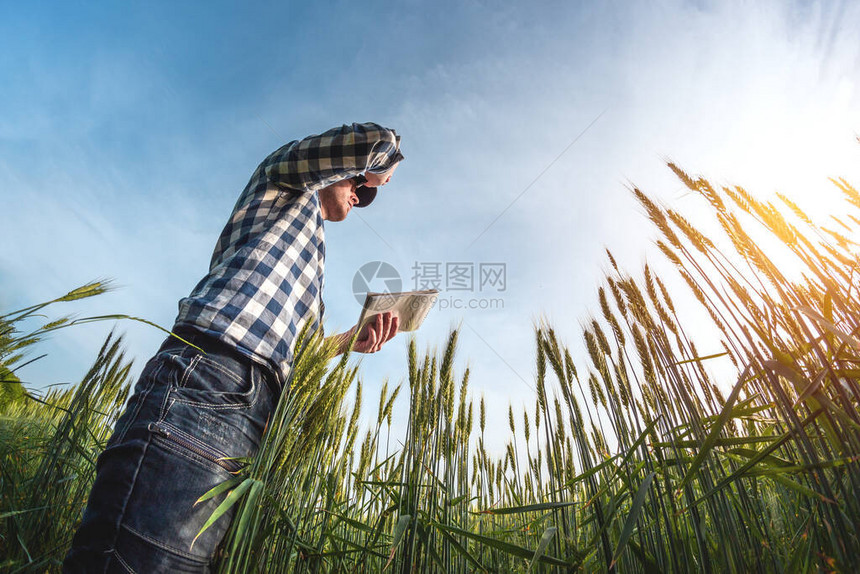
(453, 279)
(375, 276)
(460, 276)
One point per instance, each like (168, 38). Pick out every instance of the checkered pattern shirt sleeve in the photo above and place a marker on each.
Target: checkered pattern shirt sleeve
(266, 276)
(318, 161)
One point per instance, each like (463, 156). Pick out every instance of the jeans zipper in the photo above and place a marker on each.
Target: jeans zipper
(231, 466)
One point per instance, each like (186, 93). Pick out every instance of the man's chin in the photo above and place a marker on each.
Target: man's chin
(341, 216)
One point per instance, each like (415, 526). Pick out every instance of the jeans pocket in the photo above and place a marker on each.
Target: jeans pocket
(175, 472)
(213, 381)
(222, 402)
(174, 437)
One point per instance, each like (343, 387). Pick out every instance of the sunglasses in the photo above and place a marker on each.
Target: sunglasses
(365, 194)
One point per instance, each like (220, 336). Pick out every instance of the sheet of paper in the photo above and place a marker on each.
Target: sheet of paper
(411, 307)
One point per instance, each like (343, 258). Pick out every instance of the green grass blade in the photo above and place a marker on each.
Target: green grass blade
(740, 472)
(712, 437)
(232, 498)
(460, 548)
(648, 563)
(17, 512)
(224, 486)
(545, 539)
(526, 508)
(700, 359)
(399, 531)
(632, 516)
(590, 472)
(507, 547)
(361, 526)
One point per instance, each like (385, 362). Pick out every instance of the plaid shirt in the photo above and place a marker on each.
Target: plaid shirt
(265, 279)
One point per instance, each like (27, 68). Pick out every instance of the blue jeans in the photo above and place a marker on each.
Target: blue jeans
(190, 414)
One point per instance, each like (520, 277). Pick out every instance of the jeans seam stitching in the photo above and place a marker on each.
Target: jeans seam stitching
(123, 562)
(195, 361)
(215, 407)
(143, 396)
(168, 395)
(121, 516)
(226, 372)
(188, 370)
(257, 382)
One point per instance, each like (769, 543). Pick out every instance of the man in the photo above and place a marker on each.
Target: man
(193, 413)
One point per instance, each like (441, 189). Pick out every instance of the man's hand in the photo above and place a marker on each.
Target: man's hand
(379, 179)
(376, 333)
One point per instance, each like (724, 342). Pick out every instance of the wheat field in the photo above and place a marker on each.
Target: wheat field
(635, 461)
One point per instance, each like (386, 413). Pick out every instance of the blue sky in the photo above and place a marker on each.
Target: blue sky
(128, 130)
